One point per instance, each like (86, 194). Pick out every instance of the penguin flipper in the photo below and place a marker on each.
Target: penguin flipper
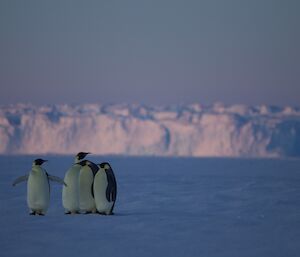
(93, 167)
(20, 179)
(56, 179)
(111, 191)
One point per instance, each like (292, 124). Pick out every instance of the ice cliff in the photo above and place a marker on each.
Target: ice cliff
(182, 130)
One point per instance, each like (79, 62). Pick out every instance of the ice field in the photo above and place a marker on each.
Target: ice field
(166, 207)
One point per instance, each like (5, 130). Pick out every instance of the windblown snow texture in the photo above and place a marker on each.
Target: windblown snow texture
(190, 130)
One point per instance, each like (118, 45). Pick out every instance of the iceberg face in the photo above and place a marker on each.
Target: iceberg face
(191, 130)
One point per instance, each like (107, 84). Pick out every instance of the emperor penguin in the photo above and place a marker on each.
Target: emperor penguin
(86, 179)
(105, 189)
(70, 194)
(38, 188)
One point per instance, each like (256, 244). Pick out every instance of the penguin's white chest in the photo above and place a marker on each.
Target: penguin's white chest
(38, 191)
(70, 193)
(100, 186)
(86, 199)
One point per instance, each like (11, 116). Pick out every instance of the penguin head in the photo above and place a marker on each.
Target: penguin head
(84, 162)
(105, 166)
(80, 156)
(39, 161)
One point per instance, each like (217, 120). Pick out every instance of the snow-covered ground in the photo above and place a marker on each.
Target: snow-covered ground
(132, 129)
(166, 207)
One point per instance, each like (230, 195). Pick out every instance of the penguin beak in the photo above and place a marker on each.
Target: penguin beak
(85, 154)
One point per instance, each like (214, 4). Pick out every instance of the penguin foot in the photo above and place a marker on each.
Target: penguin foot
(40, 213)
(105, 213)
(32, 213)
(71, 212)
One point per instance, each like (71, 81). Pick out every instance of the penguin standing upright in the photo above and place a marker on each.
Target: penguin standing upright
(105, 189)
(86, 194)
(38, 188)
(70, 194)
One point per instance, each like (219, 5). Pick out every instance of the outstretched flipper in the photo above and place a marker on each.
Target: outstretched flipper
(56, 179)
(20, 179)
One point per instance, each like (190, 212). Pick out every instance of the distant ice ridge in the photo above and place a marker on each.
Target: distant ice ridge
(131, 129)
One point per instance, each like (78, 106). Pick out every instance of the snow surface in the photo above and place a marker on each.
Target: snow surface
(124, 129)
(166, 207)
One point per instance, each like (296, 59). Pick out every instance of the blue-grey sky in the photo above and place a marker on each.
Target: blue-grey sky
(152, 52)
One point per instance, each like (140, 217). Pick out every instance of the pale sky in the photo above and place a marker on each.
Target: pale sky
(151, 52)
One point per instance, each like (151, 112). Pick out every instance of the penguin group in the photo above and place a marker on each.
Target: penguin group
(87, 187)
